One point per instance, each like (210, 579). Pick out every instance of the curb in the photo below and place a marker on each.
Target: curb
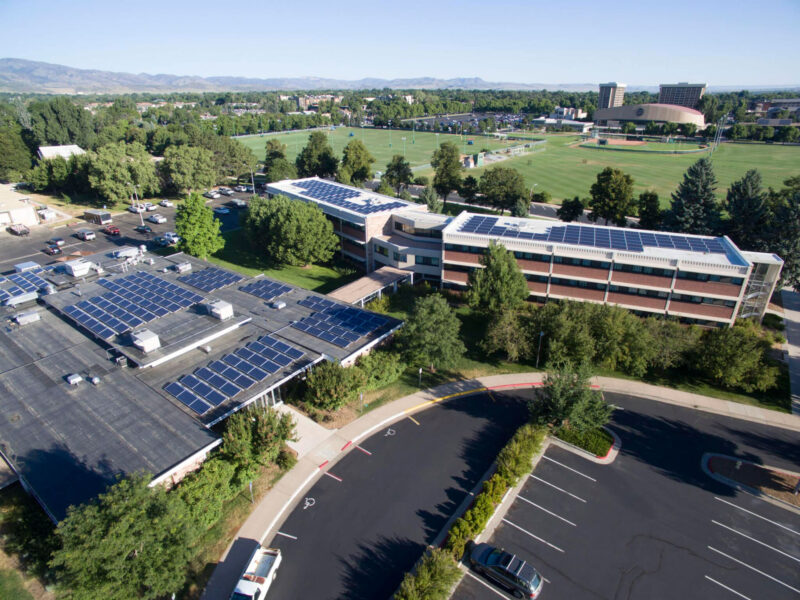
(742, 487)
(609, 458)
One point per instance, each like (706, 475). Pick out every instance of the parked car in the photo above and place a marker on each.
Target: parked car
(149, 206)
(52, 250)
(240, 188)
(173, 236)
(248, 189)
(143, 229)
(225, 191)
(212, 195)
(111, 230)
(156, 218)
(87, 235)
(165, 203)
(507, 570)
(18, 229)
(55, 242)
(136, 208)
(221, 210)
(238, 203)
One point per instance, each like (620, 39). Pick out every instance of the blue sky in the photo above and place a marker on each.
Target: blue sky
(641, 42)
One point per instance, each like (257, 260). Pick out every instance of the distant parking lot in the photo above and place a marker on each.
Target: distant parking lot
(14, 250)
(652, 525)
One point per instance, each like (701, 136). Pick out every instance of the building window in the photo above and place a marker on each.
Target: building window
(581, 262)
(381, 250)
(460, 248)
(411, 230)
(703, 300)
(706, 277)
(574, 283)
(532, 256)
(643, 270)
(430, 261)
(637, 292)
(400, 257)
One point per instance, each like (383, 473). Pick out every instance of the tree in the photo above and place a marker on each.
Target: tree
(521, 208)
(431, 334)
(569, 402)
(130, 542)
(383, 187)
(747, 211)
(736, 132)
(59, 121)
(317, 158)
(398, 173)
(735, 357)
(787, 134)
(688, 129)
(650, 214)
(503, 187)
(188, 168)
(508, 333)
(116, 168)
(290, 232)
(570, 209)
(694, 207)
(329, 385)
(198, 229)
(542, 197)
(628, 127)
(612, 197)
(500, 286)
(446, 163)
(468, 189)
(276, 166)
(429, 197)
(357, 162)
(15, 158)
(784, 234)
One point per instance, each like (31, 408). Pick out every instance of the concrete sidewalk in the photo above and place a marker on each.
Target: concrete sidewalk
(276, 505)
(791, 317)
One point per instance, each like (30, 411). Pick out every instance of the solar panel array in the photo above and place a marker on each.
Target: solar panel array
(222, 379)
(339, 325)
(266, 289)
(22, 283)
(597, 237)
(132, 301)
(338, 196)
(210, 279)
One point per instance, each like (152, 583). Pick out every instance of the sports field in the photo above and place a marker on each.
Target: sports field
(566, 170)
(418, 147)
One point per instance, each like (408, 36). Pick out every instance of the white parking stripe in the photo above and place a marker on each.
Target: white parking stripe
(570, 468)
(291, 537)
(486, 585)
(744, 564)
(722, 585)
(744, 535)
(558, 488)
(547, 511)
(533, 536)
(750, 512)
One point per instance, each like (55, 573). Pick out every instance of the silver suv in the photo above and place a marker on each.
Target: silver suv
(507, 570)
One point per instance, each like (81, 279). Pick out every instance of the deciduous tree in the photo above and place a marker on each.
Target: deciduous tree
(446, 163)
(188, 168)
(612, 197)
(569, 402)
(329, 385)
(499, 286)
(317, 158)
(357, 162)
(198, 229)
(570, 209)
(115, 168)
(398, 173)
(430, 336)
(468, 189)
(276, 166)
(503, 187)
(650, 213)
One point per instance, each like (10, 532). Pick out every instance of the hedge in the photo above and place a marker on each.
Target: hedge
(596, 441)
(434, 578)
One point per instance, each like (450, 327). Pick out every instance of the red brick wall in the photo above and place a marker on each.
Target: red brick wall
(702, 310)
(643, 301)
(576, 292)
(708, 287)
(637, 279)
(537, 287)
(354, 233)
(458, 276)
(533, 265)
(464, 257)
(584, 272)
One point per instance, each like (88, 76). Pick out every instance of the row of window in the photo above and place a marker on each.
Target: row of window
(706, 277)
(411, 230)
(399, 257)
(342, 222)
(581, 262)
(619, 289)
(703, 300)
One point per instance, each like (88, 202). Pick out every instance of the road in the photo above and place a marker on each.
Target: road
(14, 250)
(367, 521)
(652, 524)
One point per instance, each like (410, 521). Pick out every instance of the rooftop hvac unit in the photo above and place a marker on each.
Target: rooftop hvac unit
(74, 379)
(25, 318)
(183, 267)
(220, 310)
(145, 340)
(278, 304)
(95, 380)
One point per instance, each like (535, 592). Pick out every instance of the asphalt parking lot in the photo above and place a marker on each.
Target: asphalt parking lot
(368, 519)
(653, 525)
(14, 250)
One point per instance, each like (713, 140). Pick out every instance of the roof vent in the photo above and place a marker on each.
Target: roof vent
(183, 267)
(25, 318)
(220, 309)
(74, 379)
(206, 349)
(278, 304)
(95, 380)
(145, 340)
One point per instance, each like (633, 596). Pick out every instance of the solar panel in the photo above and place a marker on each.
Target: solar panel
(188, 398)
(338, 325)
(210, 279)
(338, 196)
(266, 289)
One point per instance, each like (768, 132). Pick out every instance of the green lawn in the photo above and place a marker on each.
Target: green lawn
(648, 147)
(417, 152)
(566, 170)
(11, 586)
(237, 256)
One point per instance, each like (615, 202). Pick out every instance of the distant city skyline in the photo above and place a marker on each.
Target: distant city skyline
(640, 43)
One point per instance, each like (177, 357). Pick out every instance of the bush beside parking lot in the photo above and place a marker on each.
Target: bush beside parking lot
(596, 441)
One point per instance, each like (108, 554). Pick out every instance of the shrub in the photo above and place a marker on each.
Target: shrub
(460, 533)
(495, 487)
(515, 458)
(421, 180)
(329, 385)
(435, 576)
(596, 441)
(205, 491)
(379, 305)
(380, 368)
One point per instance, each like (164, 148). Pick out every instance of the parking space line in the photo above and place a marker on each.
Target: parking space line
(533, 536)
(744, 564)
(339, 479)
(484, 584)
(367, 452)
(744, 535)
(556, 487)
(291, 537)
(413, 420)
(547, 511)
(750, 512)
(722, 585)
(569, 468)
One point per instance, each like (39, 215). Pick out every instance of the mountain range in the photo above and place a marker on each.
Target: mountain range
(27, 76)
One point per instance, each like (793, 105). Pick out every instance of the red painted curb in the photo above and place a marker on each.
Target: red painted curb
(346, 445)
(515, 385)
(323, 464)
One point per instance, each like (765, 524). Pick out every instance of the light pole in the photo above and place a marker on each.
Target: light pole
(390, 133)
(138, 204)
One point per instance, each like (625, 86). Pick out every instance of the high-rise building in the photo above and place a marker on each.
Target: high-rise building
(611, 95)
(682, 94)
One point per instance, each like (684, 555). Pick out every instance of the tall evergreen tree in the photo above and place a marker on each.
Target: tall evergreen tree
(498, 287)
(694, 207)
(747, 210)
(650, 213)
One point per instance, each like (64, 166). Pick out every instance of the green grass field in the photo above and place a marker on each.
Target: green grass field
(377, 141)
(566, 170)
(648, 147)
